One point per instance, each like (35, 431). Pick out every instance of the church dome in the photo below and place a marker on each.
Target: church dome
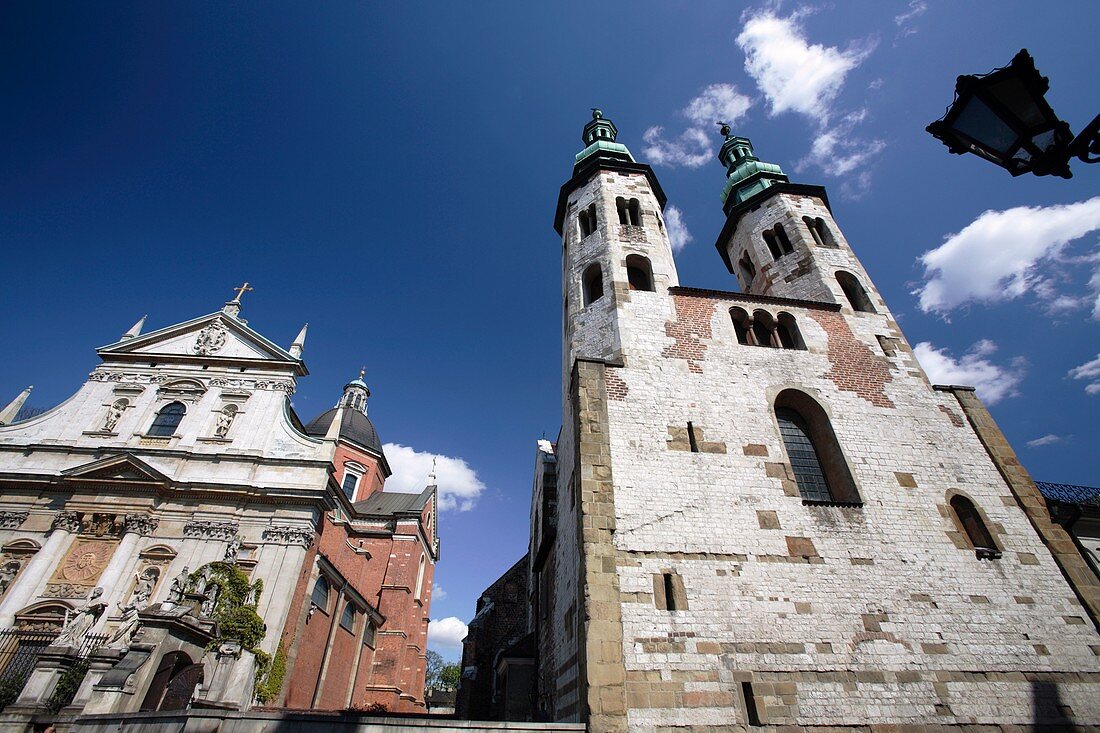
(355, 426)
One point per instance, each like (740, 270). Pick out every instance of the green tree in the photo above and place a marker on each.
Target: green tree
(432, 671)
(449, 677)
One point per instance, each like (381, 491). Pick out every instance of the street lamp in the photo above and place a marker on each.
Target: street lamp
(1003, 117)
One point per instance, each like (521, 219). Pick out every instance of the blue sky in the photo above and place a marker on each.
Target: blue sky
(388, 173)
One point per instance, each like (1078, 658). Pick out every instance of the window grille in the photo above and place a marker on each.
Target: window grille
(804, 459)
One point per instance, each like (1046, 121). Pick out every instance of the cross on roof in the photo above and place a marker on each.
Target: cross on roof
(241, 291)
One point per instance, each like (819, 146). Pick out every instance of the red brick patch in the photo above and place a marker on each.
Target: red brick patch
(955, 419)
(616, 387)
(855, 368)
(693, 317)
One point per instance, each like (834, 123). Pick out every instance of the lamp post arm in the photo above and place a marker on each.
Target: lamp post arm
(1086, 146)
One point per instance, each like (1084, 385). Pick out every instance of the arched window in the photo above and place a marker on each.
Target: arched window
(587, 220)
(787, 331)
(819, 231)
(347, 618)
(773, 244)
(167, 420)
(763, 325)
(620, 208)
(420, 578)
(742, 325)
(854, 292)
(320, 593)
(784, 241)
(819, 467)
(748, 269)
(778, 242)
(971, 520)
(593, 283)
(639, 273)
(634, 212)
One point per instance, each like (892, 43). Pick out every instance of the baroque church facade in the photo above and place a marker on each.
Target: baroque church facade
(173, 535)
(759, 511)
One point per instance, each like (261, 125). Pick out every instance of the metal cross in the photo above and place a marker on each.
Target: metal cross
(241, 291)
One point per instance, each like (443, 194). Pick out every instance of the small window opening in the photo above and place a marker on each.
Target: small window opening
(819, 231)
(784, 240)
(587, 220)
(742, 326)
(752, 715)
(634, 212)
(854, 292)
(347, 618)
(670, 593)
(748, 269)
(351, 481)
(787, 331)
(976, 531)
(620, 208)
(693, 441)
(369, 634)
(639, 273)
(773, 244)
(167, 420)
(593, 283)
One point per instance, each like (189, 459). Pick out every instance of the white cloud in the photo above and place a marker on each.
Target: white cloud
(1089, 371)
(839, 152)
(459, 486)
(991, 381)
(447, 633)
(438, 594)
(794, 74)
(678, 234)
(718, 102)
(1048, 439)
(694, 147)
(997, 256)
(691, 150)
(903, 20)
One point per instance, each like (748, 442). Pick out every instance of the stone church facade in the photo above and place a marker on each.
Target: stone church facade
(176, 531)
(759, 512)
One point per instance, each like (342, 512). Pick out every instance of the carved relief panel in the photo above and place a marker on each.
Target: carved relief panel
(13, 558)
(78, 572)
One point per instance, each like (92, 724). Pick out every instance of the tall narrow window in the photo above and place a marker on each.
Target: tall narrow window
(351, 481)
(693, 441)
(748, 269)
(819, 231)
(787, 331)
(742, 325)
(818, 464)
(167, 420)
(980, 538)
(752, 715)
(620, 208)
(319, 596)
(347, 618)
(593, 283)
(639, 274)
(854, 292)
(763, 326)
(773, 244)
(784, 241)
(634, 212)
(587, 220)
(420, 578)
(670, 593)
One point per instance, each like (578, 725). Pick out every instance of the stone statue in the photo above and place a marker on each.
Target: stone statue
(204, 580)
(85, 617)
(179, 585)
(130, 623)
(114, 413)
(7, 574)
(144, 583)
(225, 421)
(253, 596)
(231, 550)
(211, 602)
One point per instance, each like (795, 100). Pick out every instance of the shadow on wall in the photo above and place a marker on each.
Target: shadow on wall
(1048, 710)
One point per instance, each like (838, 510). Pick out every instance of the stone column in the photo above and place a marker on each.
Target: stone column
(280, 567)
(134, 526)
(45, 560)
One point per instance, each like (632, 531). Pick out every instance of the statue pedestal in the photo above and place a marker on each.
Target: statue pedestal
(230, 678)
(53, 662)
(100, 661)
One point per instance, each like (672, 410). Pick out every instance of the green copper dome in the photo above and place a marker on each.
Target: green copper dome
(746, 175)
(599, 137)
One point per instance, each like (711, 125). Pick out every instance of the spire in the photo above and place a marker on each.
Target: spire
(333, 433)
(356, 394)
(746, 175)
(135, 330)
(7, 416)
(299, 343)
(599, 137)
(233, 307)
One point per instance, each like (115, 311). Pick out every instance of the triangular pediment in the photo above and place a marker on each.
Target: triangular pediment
(123, 468)
(214, 337)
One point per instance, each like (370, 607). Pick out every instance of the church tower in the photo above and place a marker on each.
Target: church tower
(765, 514)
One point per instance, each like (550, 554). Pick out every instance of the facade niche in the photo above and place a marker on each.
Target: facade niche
(167, 420)
(778, 242)
(968, 517)
(817, 461)
(592, 282)
(587, 220)
(819, 230)
(639, 273)
(630, 212)
(854, 292)
(748, 268)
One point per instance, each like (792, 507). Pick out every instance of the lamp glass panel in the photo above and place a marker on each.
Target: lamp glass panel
(1015, 96)
(978, 122)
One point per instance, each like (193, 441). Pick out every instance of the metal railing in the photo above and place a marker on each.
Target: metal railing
(19, 651)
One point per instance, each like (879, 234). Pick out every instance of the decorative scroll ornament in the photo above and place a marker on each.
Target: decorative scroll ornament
(67, 521)
(276, 385)
(211, 339)
(286, 535)
(12, 520)
(210, 530)
(141, 524)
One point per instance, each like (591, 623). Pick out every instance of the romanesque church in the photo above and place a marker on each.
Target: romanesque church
(758, 511)
(174, 536)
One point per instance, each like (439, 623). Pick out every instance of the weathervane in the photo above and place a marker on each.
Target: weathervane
(725, 129)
